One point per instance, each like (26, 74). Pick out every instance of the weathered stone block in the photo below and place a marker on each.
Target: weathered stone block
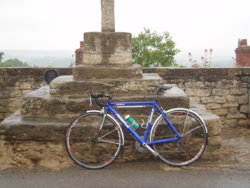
(198, 92)
(219, 92)
(214, 127)
(233, 110)
(105, 73)
(243, 99)
(219, 100)
(231, 122)
(244, 123)
(230, 105)
(25, 91)
(230, 98)
(15, 93)
(244, 109)
(236, 116)
(25, 85)
(228, 84)
(213, 106)
(194, 99)
(205, 100)
(108, 49)
(221, 112)
(238, 91)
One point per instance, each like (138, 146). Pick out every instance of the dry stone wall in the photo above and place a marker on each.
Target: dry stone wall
(15, 82)
(224, 91)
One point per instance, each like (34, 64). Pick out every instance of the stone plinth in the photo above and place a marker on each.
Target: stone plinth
(108, 49)
(41, 143)
(105, 73)
(41, 106)
(66, 86)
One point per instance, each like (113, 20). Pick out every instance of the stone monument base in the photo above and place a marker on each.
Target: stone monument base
(108, 49)
(86, 72)
(36, 143)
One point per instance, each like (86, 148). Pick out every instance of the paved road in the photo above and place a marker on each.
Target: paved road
(140, 174)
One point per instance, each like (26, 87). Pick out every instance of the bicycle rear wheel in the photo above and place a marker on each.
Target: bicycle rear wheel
(93, 141)
(193, 140)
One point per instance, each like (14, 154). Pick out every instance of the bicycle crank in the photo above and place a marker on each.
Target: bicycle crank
(139, 147)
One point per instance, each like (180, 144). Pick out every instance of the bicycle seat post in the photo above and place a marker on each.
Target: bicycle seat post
(157, 94)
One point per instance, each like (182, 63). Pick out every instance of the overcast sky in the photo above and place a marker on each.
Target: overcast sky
(59, 24)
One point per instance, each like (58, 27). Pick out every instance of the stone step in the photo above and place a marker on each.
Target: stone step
(16, 121)
(213, 150)
(40, 104)
(67, 86)
(31, 143)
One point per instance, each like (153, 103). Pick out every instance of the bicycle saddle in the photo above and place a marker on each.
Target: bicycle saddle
(161, 87)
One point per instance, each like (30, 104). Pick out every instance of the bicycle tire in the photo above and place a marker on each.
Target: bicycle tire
(89, 149)
(192, 144)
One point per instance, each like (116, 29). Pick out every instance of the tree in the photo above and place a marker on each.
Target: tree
(151, 49)
(1, 56)
(13, 63)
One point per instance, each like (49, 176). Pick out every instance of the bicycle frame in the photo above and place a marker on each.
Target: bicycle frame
(153, 104)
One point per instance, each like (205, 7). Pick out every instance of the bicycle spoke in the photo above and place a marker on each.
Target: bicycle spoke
(190, 131)
(106, 141)
(191, 144)
(85, 144)
(108, 133)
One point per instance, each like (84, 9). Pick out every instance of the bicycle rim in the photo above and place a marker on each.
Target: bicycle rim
(192, 144)
(92, 147)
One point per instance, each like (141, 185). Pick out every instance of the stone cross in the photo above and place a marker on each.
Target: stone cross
(108, 18)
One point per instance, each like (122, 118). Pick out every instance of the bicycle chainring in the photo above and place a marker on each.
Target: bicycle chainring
(139, 147)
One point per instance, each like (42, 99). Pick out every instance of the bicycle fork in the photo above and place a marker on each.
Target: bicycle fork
(100, 128)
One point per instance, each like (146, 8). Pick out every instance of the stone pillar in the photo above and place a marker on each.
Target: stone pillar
(108, 17)
(79, 54)
(107, 53)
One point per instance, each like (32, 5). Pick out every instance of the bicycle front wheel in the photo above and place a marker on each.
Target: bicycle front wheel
(94, 140)
(192, 130)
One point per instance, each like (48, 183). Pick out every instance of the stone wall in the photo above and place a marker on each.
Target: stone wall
(224, 91)
(15, 82)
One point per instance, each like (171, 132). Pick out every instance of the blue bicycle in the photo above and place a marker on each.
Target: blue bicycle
(95, 139)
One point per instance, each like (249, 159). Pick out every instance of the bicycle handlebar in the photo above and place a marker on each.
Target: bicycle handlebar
(96, 96)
